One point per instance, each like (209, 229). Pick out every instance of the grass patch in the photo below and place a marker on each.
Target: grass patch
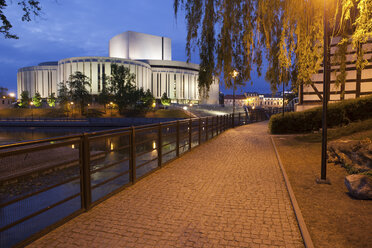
(355, 130)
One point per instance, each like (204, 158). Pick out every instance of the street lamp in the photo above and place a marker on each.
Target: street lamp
(32, 110)
(326, 80)
(112, 105)
(72, 109)
(234, 74)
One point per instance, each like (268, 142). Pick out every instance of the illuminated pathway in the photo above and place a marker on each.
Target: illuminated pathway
(229, 192)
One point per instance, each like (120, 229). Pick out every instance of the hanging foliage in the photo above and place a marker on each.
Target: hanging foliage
(232, 34)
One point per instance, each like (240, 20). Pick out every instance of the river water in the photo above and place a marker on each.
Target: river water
(18, 134)
(31, 205)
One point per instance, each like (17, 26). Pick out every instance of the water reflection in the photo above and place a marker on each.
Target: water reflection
(17, 134)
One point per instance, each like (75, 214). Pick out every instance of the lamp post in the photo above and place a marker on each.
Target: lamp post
(234, 73)
(32, 110)
(326, 80)
(112, 105)
(72, 109)
(283, 98)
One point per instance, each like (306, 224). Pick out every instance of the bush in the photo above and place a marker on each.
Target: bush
(339, 114)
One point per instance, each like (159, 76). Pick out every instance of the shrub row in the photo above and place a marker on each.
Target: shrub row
(339, 113)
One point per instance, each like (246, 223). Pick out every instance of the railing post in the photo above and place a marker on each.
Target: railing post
(200, 129)
(232, 120)
(224, 122)
(160, 146)
(133, 156)
(206, 128)
(239, 119)
(213, 126)
(190, 133)
(85, 173)
(178, 138)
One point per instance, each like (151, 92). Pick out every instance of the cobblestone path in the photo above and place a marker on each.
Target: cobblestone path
(229, 192)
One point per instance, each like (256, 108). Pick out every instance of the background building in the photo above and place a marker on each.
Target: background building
(147, 56)
(254, 100)
(358, 83)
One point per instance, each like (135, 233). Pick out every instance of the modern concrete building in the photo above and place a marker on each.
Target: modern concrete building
(149, 57)
(358, 83)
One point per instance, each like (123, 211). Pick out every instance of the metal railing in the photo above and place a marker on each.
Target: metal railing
(48, 182)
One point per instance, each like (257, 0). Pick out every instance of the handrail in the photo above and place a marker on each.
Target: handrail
(186, 134)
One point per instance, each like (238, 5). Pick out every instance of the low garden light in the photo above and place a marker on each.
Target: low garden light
(154, 104)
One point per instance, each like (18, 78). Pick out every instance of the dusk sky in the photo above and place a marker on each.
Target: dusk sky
(73, 28)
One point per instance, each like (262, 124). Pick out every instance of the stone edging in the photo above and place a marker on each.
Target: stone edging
(300, 220)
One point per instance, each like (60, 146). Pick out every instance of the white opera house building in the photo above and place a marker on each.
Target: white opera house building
(149, 57)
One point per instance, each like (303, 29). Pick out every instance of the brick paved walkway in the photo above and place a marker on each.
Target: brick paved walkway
(227, 193)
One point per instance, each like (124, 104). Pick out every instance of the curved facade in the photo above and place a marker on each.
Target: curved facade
(95, 67)
(41, 78)
(179, 80)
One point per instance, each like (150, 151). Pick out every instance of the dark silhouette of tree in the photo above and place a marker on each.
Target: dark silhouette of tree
(29, 8)
(77, 90)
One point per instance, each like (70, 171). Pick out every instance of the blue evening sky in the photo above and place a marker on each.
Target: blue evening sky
(72, 28)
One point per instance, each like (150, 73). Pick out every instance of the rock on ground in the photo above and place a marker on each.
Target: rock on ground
(359, 186)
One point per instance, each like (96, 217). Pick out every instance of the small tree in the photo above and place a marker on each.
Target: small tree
(165, 100)
(52, 100)
(105, 97)
(122, 87)
(63, 95)
(77, 89)
(148, 99)
(25, 99)
(37, 100)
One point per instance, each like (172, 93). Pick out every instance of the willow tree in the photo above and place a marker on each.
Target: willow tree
(236, 34)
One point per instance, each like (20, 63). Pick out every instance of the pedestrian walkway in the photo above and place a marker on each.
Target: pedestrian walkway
(229, 192)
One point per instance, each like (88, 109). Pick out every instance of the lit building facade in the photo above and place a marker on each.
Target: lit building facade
(147, 56)
(358, 83)
(254, 100)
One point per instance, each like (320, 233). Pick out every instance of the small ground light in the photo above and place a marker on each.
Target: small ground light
(190, 104)
(185, 108)
(73, 146)
(154, 105)
(111, 146)
(153, 145)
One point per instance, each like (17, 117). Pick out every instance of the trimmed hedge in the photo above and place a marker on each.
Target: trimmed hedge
(339, 114)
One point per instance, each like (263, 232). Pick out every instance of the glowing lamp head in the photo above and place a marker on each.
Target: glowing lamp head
(11, 94)
(234, 73)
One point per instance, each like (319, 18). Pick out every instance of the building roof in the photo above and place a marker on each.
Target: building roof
(237, 97)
